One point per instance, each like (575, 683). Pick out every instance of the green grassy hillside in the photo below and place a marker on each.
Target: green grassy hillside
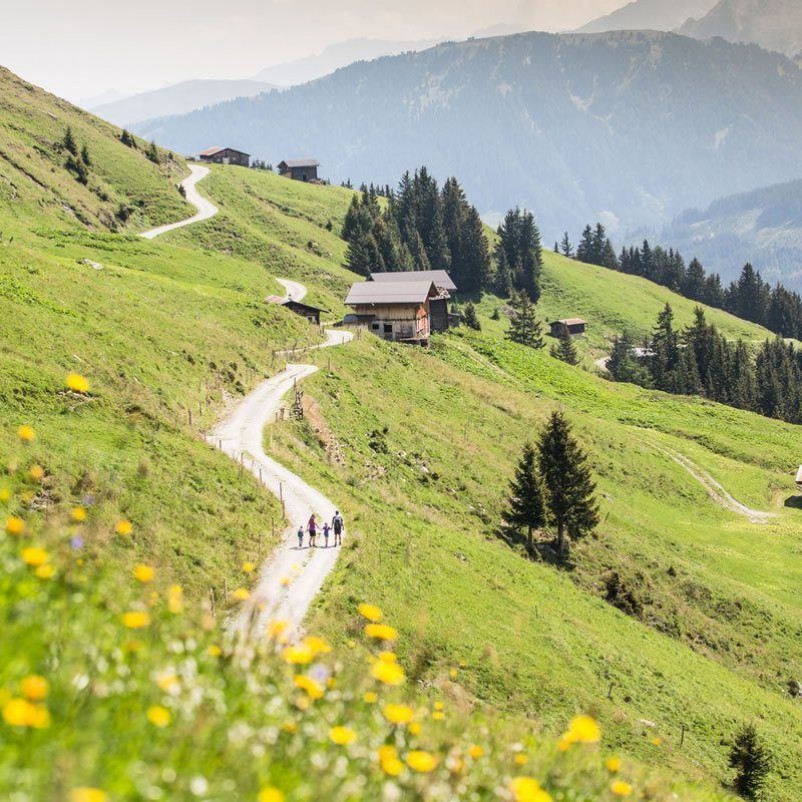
(168, 332)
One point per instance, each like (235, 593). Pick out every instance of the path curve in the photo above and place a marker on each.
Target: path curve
(206, 209)
(291, 578)
(716, 491)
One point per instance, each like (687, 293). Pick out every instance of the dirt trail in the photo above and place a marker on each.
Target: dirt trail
(206, 209)
(291, 577)
(716, 491)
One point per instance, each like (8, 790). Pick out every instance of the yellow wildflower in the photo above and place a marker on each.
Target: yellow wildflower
(285, 581)
(422, 762)
(521, 760)
(564, 744)
(316, 645)
(453, 673)
(476, 751)
(175, 599)
(214, 650)
(657, 741)
(38, 717)
(298, 655)
(313, 688)
(5, 494)
(17, 712)
(241, 594)
(381, 632)
(371, 612)
(370, 698)
(77, 383)
(159, 716)
(36, 472)
(613, 764)
(584, 730)
(342, 736)
(276, 627)
(123, 527)
(271, 795)
(526, 789)
(398, 714)
(144, 573)
(388, 657)
(248, 567)
(621, 788)
(387, 673)
(136, 619)
(415, 728)
(35, 556)
(388, 759)
(167, 682)
(15, 526)
(26, 433)
(78, 515)
(35, 688)
(45, 571)
(438, 715)
(87, 795)
(439, 706)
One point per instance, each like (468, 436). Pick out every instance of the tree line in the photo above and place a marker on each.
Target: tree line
(421, 226)
(750, 297)
(700, 361)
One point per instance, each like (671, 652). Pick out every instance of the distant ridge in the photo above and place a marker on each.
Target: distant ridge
(649, 15)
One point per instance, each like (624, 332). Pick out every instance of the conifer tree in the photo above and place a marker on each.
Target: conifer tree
(525, 328)
(752, 763)
(566, 247)
(470, 317)
(570, 490)
(526, 508)
(85, 157)
(127, 139)
(153, 153)
(565, 349)
(70, 144)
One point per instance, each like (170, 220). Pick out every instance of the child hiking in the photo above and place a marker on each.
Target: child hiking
(326, 530)
(337, 525)
(301, 536)
(312, 529)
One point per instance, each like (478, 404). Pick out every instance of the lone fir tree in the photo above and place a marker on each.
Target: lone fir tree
(525, 328)
(70, 145)
(752, 762)
(526, 505)
(470, 317)
(153, 153)
(570, 491)
(565, 350)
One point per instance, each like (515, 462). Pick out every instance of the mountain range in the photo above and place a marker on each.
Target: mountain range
(772, 24)
(628, 127)
(654, 15)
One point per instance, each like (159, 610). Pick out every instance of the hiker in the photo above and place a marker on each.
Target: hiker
(312, 529)
(301, 536)
(326, 530)
(337, 525)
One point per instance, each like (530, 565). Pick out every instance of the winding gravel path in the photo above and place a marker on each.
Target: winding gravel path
(206, 209)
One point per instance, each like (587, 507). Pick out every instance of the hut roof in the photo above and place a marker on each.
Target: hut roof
(570, 321)
(210, 151)
(439, 278)
(300, 305)
(391, 292)
(300, 163)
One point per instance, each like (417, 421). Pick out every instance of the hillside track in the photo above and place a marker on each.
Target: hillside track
(716, 492)
(206, 209)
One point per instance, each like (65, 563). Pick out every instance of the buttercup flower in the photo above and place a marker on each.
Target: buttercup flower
(248, 567)
(35, 556)
(271, 795)
(144, 573)
(36, 472)
(387, 673)
(398, 714)
(527, 789)
(175, 599)
(342, 736)
(26, 433)
(583, 730)
(620, 788)
(381, 632)
(15, 527)
(476, 751)
(87, 795)
(241, 594)
(35, 688)
(123, 527)
(389, 762)
(159, 716)
(370, 611)
(45, 571)
(136, 619)
(77, 383)
(422, 762)
(298, 655)
(613, 764)
(313, 689)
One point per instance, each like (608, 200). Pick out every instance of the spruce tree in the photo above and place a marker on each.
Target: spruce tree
(566, 247)
(526, 509)
(85, 157)
(69, 142)
(470, 317)
(525, 328)
(565, 349)
(752, 762)
(570, 491)
(127, 139)
(153, 153)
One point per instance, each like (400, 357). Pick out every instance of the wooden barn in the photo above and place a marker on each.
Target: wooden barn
(311, 313)
(299, 169)
(439, 317)
(219, 155)
(575, 326)
(395, 310)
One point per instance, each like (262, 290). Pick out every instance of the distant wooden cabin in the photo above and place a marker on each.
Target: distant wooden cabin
(575, 326)
(439, 317)
(395, 310)
(219, 155)
(299, 169)
(311, 313)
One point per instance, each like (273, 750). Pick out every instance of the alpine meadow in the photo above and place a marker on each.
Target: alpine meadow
(320, 482)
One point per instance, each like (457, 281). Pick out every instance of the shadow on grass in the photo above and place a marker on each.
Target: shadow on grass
(793, 502)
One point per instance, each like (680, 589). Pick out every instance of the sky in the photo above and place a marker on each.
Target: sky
(82, 48)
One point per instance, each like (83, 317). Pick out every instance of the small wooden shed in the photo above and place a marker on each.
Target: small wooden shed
(299, 169)
(218, 155)
(575, 326)
(395, 310)
(438, 307)
(311, 313)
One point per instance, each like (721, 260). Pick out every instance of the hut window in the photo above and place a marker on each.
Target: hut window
(388, 328)
(375, 326)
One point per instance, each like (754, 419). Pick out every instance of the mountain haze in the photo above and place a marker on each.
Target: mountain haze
(772, 24)
(177, 99)
(655, 15)
(630, 127)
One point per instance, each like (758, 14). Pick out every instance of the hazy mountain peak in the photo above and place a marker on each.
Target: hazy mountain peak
(658, 15)
(772, 24)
